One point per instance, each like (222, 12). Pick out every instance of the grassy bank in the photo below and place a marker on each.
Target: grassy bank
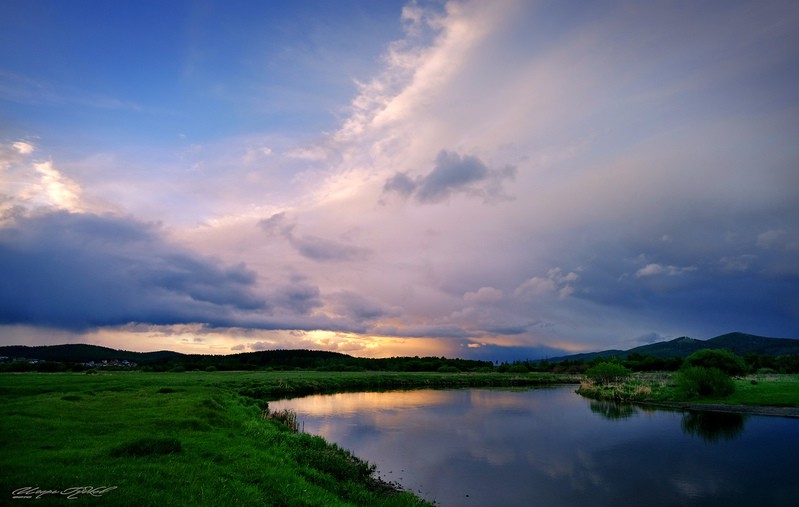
(189, 438)
(755, 390)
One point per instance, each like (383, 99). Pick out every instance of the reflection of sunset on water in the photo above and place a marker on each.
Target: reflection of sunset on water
(550, 446)
(344, 403)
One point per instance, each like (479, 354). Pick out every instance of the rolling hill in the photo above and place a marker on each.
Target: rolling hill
(739, 343)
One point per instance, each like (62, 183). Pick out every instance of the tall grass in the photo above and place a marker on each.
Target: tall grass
(286, 416)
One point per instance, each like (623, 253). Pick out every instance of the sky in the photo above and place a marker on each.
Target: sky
(491, 180)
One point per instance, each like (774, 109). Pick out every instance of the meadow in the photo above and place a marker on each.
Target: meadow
(754, 391)
(199, 438)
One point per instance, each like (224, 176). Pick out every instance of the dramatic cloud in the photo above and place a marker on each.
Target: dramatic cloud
(80, 271)
(491, 179)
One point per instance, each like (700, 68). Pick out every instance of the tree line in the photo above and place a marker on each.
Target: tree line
(279, 360)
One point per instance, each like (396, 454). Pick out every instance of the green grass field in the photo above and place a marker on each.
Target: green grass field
(195, 438)
(764, 390)
(775, 390)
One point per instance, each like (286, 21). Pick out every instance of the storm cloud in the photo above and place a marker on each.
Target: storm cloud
(77, 271)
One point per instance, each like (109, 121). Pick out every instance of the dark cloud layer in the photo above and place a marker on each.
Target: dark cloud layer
(730, 281)
(77, 271)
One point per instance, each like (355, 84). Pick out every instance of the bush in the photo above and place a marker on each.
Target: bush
(695, 381)
(724, 360)
(518, 368)
(448, 369)
(607, 372)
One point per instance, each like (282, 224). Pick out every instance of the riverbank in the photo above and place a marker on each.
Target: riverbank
(730, 409)
(194, 438)
(769, 395)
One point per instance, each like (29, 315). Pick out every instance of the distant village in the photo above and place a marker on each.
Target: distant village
(105, 363)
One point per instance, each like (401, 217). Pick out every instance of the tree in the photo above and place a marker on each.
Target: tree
(607, 372)
(695, 381)
(723, 359)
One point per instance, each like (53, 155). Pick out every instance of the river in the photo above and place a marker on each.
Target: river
(552, 447)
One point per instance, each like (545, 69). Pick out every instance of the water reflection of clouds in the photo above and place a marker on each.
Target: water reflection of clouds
(544, 445)
(350, 403)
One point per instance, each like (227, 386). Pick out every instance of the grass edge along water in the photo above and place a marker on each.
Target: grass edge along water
(196, 438)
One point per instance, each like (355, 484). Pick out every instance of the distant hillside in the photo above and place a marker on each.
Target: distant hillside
(83, 353)
(267, 359)
(740, 343)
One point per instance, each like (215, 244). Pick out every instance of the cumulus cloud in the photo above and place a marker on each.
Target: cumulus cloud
(484, 295)
(401, 184)
(23, 147)
(555, 282)
(653, 269)
(274, 224)
(452, 173)
(36, 184)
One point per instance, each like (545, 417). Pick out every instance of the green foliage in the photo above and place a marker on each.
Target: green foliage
(721, 359)
(518, 368)
(607, 372)
(448, 369)
(695, 382)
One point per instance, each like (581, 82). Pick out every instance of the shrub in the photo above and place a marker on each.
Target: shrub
(695, 381)
(448, 369)
(722, 359)
(607, 372)
(211, 369)
(518, 368)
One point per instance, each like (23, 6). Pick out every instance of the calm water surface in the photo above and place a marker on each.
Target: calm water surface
(551, 447)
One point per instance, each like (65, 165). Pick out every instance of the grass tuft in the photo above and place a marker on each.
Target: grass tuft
(286, 416)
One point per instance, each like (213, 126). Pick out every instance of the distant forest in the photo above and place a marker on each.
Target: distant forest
(760, 353)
